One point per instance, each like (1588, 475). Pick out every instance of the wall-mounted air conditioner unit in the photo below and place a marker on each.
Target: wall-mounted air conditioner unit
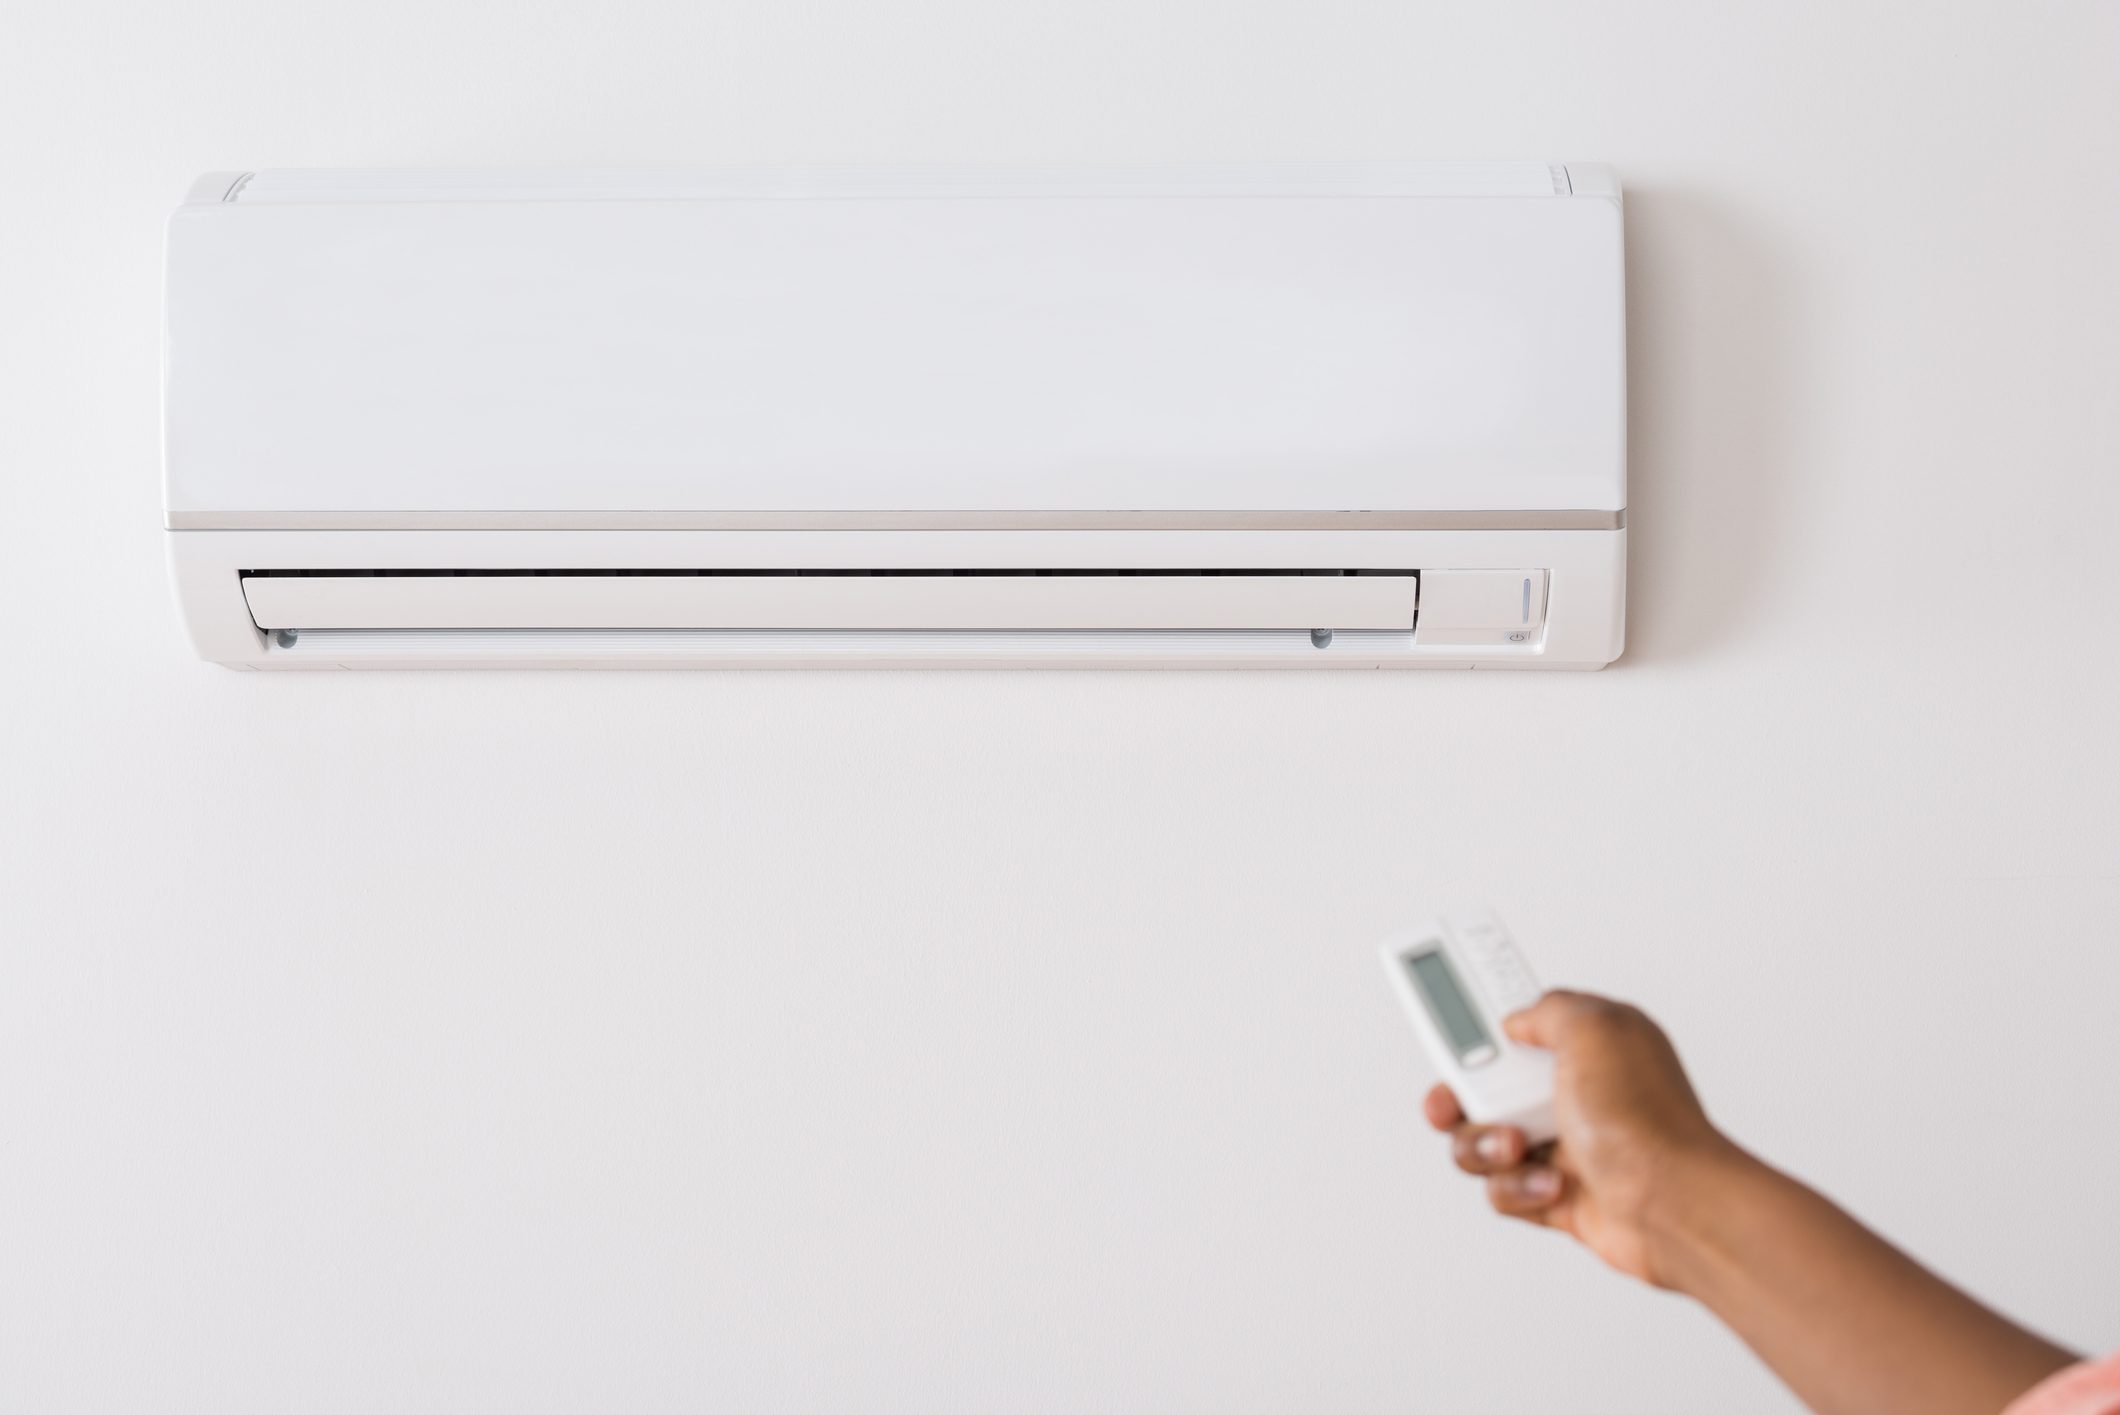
(1322, 416)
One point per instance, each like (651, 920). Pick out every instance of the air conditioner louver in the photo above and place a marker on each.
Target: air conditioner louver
(874, 599)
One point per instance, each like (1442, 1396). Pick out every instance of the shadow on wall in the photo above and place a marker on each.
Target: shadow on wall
(1709, 325)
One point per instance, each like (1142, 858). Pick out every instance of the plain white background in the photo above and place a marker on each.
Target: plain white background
(1007, 1042)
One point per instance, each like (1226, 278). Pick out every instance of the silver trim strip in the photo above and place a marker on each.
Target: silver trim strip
(896, 520)
(896, 181)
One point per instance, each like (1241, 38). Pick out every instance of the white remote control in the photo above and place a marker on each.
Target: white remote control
(1459, 976)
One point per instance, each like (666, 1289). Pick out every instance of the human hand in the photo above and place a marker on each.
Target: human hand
(1641, 1177)
(1634, 1146)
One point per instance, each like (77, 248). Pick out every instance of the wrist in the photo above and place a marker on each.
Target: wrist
(1697, 1197)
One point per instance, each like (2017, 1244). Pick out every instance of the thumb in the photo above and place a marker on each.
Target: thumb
(1545, 1022)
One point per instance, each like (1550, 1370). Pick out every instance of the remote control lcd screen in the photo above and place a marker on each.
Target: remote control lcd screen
(1447, 1004)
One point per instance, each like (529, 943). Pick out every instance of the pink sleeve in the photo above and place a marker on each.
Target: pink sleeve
(2092, 1388)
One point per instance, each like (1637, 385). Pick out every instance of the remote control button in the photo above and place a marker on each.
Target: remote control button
(1512, 986)
(1523, 997)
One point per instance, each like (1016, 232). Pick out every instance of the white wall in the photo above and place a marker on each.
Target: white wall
(976, 1043)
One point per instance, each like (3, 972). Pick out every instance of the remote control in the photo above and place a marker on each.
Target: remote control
(1459, 976)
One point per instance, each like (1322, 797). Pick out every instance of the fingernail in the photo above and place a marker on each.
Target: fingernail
(1493, 1147)
(1542, 1184)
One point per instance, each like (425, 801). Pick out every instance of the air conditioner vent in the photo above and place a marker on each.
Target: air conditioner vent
(825, 573)
(833, 598)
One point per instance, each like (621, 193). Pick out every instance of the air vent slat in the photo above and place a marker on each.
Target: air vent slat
(833, 599)
(749, 573)
(633, 648)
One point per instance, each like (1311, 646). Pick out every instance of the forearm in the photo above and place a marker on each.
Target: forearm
(1850, 1323)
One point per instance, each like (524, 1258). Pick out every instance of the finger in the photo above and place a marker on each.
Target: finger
(1525, 1192)
(1487, 1149)
(1441, 1107)
(1542, 1023)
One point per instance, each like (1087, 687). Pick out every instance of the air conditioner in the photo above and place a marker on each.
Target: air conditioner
(1358, 416)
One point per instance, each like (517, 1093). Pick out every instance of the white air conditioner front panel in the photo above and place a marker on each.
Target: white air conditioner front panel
(899, 416)
(968, 352)
(831, 601)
